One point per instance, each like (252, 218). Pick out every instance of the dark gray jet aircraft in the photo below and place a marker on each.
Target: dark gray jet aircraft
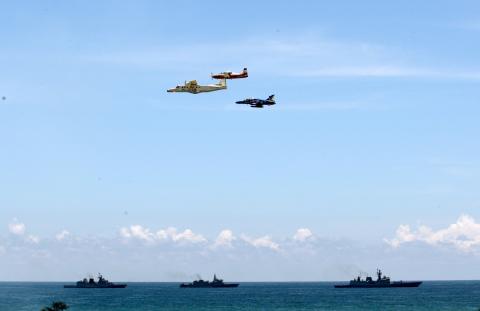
(258, 103)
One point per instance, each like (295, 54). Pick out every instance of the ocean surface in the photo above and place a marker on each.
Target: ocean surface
(434, 295)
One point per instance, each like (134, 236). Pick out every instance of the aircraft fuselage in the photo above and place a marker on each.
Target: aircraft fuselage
(231, 75)
(194, 88)
(257, 103)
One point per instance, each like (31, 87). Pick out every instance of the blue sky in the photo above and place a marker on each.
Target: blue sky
(376, 127)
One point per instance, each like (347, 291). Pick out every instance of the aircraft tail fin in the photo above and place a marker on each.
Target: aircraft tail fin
(271, 97)
(223, 82)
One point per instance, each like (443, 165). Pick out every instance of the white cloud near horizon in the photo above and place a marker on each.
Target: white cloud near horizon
(167, 256)
(33, 239)
(17, 228)
(170, 234)
(262, 242)
(463, 235)
(225, 239)
(303, 234)
(62, 235)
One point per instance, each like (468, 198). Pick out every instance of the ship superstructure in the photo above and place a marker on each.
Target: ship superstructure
(381, 281)
(90, 283)
(215, 283)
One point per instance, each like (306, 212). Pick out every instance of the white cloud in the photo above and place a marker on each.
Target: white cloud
(141, 233)
(303, 234)
(224, 238)
(403, 235)
(137, 232)
(188, 236)
(19, 229)
(262, 242)
(463, 235)
(169, 234)
(125, 233)
(62, 235)
(166, 234)
(248, 258)
(16, 227)
(33, 239)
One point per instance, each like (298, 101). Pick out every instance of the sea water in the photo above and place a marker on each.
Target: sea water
(434, 295)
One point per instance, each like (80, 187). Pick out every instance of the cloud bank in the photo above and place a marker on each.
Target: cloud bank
(139, 253)
(138, 232)
(463, 235)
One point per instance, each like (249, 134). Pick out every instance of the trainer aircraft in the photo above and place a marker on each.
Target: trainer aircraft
(231, 75)
(258, 103)
(195, 88)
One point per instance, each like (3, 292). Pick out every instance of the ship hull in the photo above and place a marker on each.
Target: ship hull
(111, 286)
(209, 286)
(394, 285)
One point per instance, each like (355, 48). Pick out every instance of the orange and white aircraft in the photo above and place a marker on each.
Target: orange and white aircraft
(231, 75)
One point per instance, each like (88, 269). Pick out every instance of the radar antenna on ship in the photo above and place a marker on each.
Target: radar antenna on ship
(379, 274)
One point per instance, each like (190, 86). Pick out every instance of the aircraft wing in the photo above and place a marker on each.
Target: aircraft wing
(256, 106)
(222, 75)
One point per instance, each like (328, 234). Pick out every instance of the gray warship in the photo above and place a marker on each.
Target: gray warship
(90, 283)
(380, 282)
(207, 284)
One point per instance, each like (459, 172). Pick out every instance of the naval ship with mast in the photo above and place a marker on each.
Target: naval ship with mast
(90, 283)
(215, 283)
(380, 282)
